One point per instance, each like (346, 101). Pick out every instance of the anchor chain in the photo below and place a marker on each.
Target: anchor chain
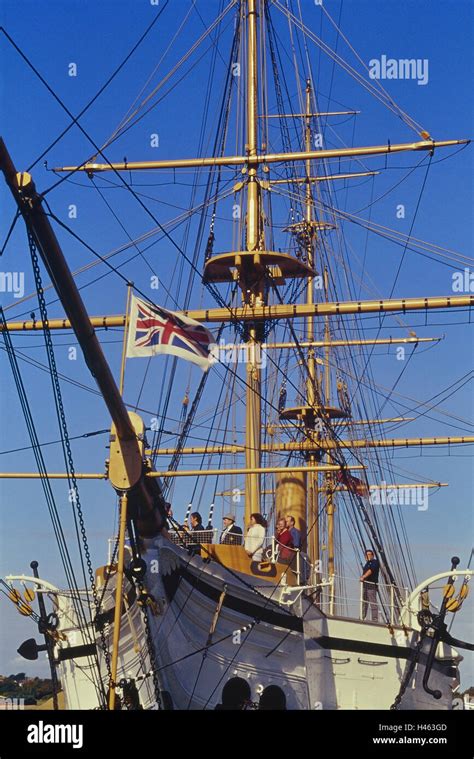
(136, 572)
(67, 444)
(151, 649)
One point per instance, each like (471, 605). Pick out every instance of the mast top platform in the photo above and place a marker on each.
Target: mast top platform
(254, 264)
(310, 413)
(302, 226)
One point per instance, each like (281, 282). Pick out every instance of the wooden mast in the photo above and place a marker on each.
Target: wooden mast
(312, 477)
(329, 479)
(252, 292)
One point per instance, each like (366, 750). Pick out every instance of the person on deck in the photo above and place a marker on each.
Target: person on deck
(169, 517)
(193, 541)
(294, 532)
(231, 534)
(370, 578)
(196, 521)
(284, 542)
(255, 537)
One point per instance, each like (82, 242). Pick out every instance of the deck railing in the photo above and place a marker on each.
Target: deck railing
(348, 597)
(192, 538)
(299, 563)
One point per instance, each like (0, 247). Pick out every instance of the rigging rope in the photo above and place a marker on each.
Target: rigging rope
(49, 497)
(74, 490)
(372, 89)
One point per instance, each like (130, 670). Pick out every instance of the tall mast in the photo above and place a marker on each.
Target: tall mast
(329, 479)
(252, 291)
(312, 481)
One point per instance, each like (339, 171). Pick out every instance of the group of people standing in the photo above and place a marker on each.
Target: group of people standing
(288, 537)
(288, 541)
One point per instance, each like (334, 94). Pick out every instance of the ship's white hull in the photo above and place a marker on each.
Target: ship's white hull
(319, 662)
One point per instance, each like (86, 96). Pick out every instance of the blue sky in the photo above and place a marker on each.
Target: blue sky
(96, 37)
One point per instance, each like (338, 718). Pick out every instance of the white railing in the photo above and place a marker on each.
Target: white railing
(348, 597)
(299, 564)
(193, 537)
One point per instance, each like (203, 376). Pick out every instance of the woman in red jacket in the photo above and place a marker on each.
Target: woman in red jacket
(285, 542)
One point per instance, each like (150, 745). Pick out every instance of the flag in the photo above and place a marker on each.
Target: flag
(353, 484)
(154, 330)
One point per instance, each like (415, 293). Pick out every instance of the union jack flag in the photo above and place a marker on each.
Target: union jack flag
(353, 484)
(154, 330)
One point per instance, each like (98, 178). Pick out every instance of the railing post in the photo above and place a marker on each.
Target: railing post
(392, 606)
(361, 600)
(314, 581)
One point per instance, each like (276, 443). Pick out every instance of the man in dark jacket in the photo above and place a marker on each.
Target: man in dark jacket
(370, 578)
(196, 521)
(231, 534)
(202, 535)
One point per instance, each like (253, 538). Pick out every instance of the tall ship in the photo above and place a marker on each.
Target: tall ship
(258, 528)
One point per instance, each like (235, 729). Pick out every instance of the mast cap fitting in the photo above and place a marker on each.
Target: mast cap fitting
(25, 182)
